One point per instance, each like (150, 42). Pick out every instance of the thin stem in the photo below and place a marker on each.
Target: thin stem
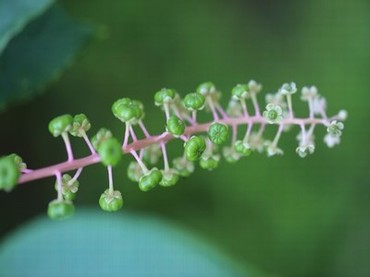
(248, 132)
(278, 135)
(141, 153)
(235, 133)
(194, 116)
(184, 138)
(166, 110)
(290, 105)
(310, 106)
(209, 148)
(143, 128)
(244, 107)
(165, 159)
(304, 136)
(221, 110)
(58, 175)
(88, 142)
(255, 104)
(68, 146)
(132, 133)
(127, 134)
(213, 108)
(139, 161)
(310, 131)
(260, 131)
(77, 174)
(110, 179)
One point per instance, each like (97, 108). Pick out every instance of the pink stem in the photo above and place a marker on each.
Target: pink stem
(221, 111)
(77, 174)
(164, 137)
(139, 161)
(88, 142)
(133, 135)
(213, 109)
(68, 146)
(127, 135)
(255, 105)
(165, 159)
(143, 128)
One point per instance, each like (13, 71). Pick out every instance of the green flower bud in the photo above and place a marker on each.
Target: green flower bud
(206, 88)
(69, 187)
(110, 152)
(60, 209)
(170, 178)
(9, 173)
(175, 126)
(194, 148)
(194, 101)
(209, 162)
(102, 135)
(152, 154)
(111, 201)
(128, 110)
(164, 96)
(80, 125)
(218, 133)
(150, 180)
(134, 172)
(243, 148)
(18, 161)
(60, 124)
(240, 91)
(183, 167)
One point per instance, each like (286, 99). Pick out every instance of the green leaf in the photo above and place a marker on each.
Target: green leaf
(123, 244)
(39, 54)
(15, 14)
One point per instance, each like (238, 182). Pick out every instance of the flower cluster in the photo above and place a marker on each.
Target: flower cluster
(204, 142)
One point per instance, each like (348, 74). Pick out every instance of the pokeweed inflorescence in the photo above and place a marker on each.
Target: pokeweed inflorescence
(181, 123)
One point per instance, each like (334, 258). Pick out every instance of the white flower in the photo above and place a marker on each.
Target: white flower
(256, 142)
(304, 150)
(342, 115)
(234, 109)
(276, 99)
(273, 114)
(254, 87)
(272, 149)
(319, 105)
(308, 93)
(308, 139)
(331, 140)
(288, 88)
(230, 154)
(335, 128)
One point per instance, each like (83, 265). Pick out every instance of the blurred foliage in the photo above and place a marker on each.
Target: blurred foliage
(40, 52)
(285, 215)
(100, 244)
(15, 15)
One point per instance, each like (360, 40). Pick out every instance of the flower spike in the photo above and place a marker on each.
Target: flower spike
(203, 141)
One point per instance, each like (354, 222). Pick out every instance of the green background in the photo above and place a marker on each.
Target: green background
(284, 215)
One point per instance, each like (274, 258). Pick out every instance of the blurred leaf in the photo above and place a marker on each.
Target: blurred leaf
(99, 244)
(39, 54)
(15, 14)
